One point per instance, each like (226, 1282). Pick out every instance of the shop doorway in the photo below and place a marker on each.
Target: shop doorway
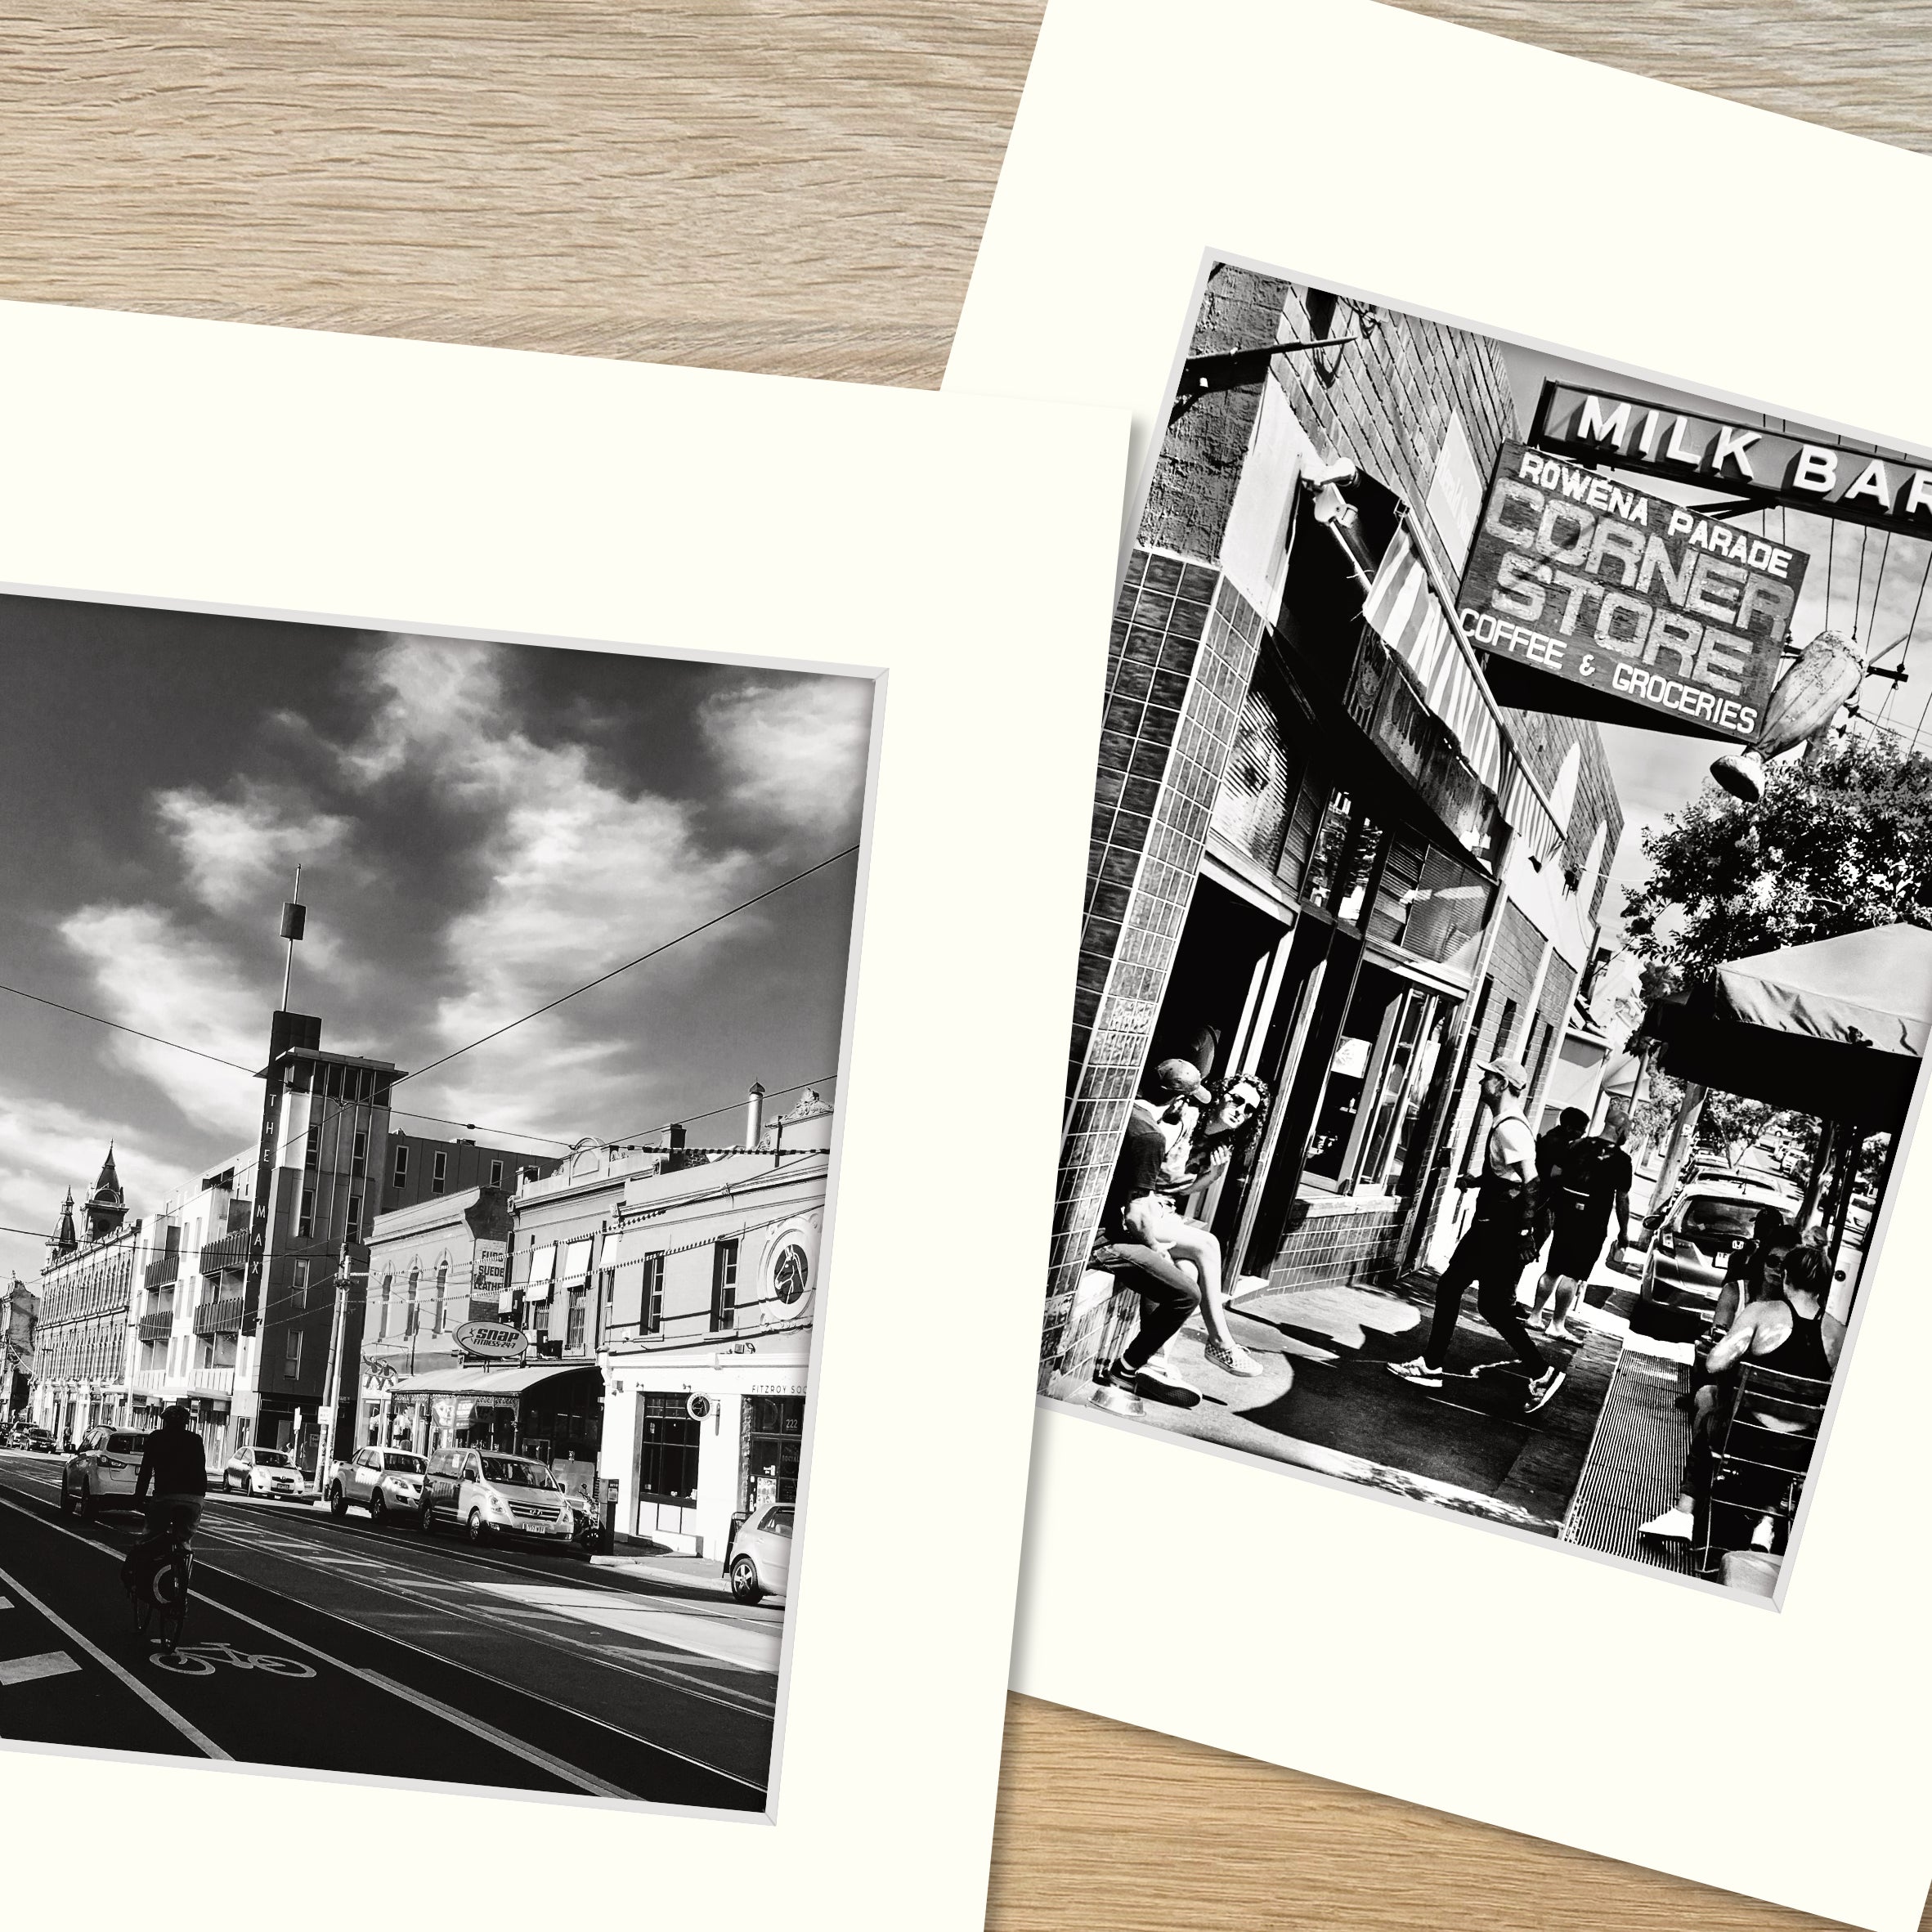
(1225, 982)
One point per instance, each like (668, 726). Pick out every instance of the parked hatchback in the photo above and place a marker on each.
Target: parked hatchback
(488, 1493)
(1693, 1239)
(102, 1470)
(264, 1473)
(385, 1482)
(759, 1559)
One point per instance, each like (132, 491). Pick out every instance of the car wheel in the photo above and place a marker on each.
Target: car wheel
(339, 1504)
(378, 1511)
(66, 1500)
(744, 1580)
(227, 1482)
(474, 1529)
(87, 1505)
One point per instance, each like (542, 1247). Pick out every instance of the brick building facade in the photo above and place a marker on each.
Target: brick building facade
(1317, 837)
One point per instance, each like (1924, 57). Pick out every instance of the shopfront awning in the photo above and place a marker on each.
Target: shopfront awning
(1414, 615)
(476, 1382)
(1837, 1027)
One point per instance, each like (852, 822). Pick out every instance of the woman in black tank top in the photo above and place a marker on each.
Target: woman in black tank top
(1788, 1332)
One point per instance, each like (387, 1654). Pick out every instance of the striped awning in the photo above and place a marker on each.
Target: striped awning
(1407, 611)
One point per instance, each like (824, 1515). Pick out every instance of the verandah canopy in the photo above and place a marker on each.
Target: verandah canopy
(1836, 1028)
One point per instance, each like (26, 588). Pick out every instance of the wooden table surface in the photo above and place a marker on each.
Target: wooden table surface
(765, 185)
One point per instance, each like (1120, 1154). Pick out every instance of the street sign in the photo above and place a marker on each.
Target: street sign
(1671, 618)
(1747, 462)
(490, 1341)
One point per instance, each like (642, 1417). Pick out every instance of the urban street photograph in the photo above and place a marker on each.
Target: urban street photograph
(419, 1077)
(1507, 957)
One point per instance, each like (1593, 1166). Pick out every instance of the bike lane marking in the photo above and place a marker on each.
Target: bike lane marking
(201, 1741)
(566, 1773)
(50, 1663)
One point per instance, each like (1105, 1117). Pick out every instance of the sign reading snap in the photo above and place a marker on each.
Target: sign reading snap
(491, 1342)
(1603, 584)
(1744, 462)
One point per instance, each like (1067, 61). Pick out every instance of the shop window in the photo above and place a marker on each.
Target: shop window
(724, 1283)
(1381, 1076)
(651, 1313)
(1432, 905)
(667, 1446)
(768, 1458)
(1346, 843)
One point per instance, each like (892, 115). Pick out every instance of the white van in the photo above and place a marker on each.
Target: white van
(490, 1494)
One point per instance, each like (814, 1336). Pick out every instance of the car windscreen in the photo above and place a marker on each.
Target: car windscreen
(512, 1469)
(1708, 1219)
(400, 1459)
(277, 1458)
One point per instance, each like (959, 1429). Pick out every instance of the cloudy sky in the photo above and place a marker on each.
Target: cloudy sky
(1858, 581)
(481, 827)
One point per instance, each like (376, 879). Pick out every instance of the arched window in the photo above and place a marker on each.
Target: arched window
(382, 1319)
(442, 1283)
(412, 1317)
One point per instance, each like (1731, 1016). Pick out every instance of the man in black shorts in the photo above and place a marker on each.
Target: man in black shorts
(1168, 1294)
(1591, 1181)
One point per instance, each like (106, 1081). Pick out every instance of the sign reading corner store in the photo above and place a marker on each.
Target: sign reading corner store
(1603, 585)
(491, 1342)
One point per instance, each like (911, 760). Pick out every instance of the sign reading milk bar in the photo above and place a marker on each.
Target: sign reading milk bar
(1643, 599)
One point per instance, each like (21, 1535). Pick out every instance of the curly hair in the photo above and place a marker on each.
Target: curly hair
(1245, 1139)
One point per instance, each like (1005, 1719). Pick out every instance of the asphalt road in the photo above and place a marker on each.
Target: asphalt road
(335, 1646)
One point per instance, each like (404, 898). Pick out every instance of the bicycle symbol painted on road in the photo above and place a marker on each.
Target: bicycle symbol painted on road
(200, 1660)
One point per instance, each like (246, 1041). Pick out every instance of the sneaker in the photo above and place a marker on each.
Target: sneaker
(1542, 1389)
(1158, 1388)
(1417, 1371)
(1117, 1374)
(1676, 1525)
(1235, 1361)
(1760, 1537)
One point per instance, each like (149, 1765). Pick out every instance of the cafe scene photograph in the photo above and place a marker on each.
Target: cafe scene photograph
(1507, 954)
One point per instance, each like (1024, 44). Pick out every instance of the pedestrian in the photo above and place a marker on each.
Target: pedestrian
(1551, 1146)
(1129, 1250)
(1493, 1252)
(1592, 1181)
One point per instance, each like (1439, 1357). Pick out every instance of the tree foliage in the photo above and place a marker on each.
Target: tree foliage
(1834, 848)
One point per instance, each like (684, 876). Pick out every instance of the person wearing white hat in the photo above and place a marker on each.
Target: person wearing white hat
(1492, 1254)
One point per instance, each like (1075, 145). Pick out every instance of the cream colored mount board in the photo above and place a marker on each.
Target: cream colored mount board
(1408, 177)
(426, 517)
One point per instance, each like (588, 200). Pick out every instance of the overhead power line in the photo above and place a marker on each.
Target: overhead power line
(42, 1000)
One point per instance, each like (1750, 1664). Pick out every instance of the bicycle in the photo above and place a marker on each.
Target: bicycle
(161, 1600)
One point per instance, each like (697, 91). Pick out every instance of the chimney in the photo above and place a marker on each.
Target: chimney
(674, 1144)
(755, 1115)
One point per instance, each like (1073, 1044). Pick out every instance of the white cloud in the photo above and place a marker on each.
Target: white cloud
(154, 973)
(240, 854)
(795, 753)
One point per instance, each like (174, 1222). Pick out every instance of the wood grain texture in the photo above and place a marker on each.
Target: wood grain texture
(761, 184)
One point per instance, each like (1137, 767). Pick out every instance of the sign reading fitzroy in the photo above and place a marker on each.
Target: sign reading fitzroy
(1741, 462)
(1636, 596)
(492, 1342)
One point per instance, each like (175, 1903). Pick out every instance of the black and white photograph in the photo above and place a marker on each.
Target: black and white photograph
(419, 1076)
(1507, 956)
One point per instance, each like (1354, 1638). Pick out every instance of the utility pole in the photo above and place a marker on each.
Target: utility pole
(332, 1376)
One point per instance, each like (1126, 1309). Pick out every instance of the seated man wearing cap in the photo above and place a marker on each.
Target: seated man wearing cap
(1492, 1254)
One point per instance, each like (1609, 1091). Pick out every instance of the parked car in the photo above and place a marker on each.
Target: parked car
(489, 1495)
(1692, 1240)
(265, 1473)
(757, 1558)
(102, 1469)
(385, 1482)
(30, 1435)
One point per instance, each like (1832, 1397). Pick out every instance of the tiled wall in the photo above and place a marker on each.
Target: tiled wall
(1359, 1244)
(1184, 654)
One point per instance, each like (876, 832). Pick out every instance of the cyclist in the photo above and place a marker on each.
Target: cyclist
(172, 1463)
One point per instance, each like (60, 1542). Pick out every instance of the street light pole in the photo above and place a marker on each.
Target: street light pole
(332, 1377)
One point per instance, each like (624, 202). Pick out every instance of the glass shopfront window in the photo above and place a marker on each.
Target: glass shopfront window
(773, 1433)
(667, 1440)
(1341, 859)
(1381, 1074)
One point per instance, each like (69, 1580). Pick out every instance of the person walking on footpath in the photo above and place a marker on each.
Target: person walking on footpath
(1592, 1181)
(1493, 1252)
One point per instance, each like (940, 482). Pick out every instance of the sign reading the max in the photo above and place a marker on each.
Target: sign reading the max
(1660, 611)
(1744, 464)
